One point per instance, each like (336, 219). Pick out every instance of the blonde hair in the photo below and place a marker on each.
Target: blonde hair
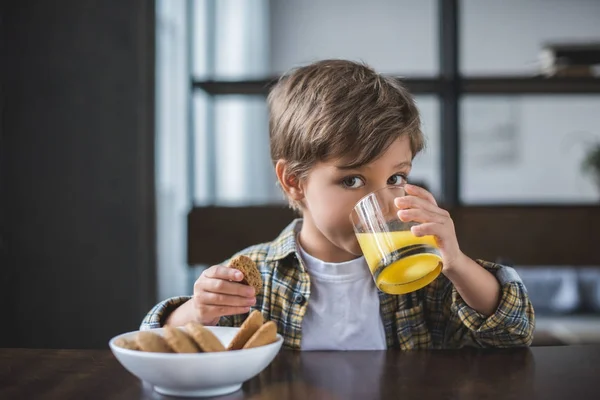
(336, 109)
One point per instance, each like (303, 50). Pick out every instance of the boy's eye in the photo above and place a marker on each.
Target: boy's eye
(397, 180)
(352, 182)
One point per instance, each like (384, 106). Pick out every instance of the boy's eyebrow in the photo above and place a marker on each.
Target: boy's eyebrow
(403, 165)
(354, 166)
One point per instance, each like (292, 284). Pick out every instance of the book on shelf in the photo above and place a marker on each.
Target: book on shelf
(570, 59)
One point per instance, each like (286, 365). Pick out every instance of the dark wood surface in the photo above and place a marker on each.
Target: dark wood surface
(537, 373)
(525, 235)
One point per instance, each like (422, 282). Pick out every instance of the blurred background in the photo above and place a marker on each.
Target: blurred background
(134, 144)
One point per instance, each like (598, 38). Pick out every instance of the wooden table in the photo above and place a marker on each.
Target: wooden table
(566, 372)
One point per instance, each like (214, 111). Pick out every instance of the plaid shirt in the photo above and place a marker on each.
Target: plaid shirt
(433, 317)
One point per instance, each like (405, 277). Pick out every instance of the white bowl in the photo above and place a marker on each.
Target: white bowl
(197, 374)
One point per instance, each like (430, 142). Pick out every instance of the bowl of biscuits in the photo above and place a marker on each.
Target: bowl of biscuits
(196, 360)
(199, 361)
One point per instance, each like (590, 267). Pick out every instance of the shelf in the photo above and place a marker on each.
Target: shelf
(530, 85)
(479, 85)
(246, 87)
(262, 86)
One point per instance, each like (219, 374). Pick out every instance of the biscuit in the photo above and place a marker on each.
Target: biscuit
(179, 341)
(204, 338)
(126, 344)
(248, 328)
(265, 335)
(251, 273)
(148, 341)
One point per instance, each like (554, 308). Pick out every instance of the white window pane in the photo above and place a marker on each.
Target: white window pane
(203, 175)
(239, 151)
(394, 36)
(527, 149)
(231, 39)
(172, 199)
(426, 166)
(505, 37)
(200, 31)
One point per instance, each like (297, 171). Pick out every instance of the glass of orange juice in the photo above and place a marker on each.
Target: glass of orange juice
(399, 261)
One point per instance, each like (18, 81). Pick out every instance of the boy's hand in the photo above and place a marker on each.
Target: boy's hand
(218, 293)
(419, 206)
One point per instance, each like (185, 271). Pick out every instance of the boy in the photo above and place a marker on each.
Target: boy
(338, 131)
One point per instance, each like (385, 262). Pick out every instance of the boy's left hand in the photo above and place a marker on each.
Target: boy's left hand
(418, 205)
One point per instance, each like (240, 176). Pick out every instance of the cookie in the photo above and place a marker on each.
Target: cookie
(204, 338)
(148, 341)
(179, 341)
(248, 328)
(265, 335)
(251, 273)
(126, 344)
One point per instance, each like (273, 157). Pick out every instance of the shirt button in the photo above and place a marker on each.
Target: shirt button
(299, 299)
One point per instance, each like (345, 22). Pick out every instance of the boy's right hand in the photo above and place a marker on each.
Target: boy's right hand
(217, 292)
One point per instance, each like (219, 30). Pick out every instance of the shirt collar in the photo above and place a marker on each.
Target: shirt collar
(285, 244)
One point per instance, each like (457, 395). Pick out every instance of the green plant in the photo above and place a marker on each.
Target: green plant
(591, 161)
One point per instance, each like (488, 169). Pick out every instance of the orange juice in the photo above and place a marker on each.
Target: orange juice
(399, 261)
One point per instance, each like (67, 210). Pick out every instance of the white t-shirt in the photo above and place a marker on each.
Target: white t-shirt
(343, 310)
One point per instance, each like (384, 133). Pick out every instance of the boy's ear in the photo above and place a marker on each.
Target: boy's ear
(290, 183)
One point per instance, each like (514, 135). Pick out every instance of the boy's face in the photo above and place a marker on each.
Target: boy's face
(330, 192)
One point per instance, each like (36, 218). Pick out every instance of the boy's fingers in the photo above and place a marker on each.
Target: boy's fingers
(223, 286)
(420, 215)
(411, 201)
(420, 192)
(430, 228)
(221, 272)
(226, 310)
(218, 299)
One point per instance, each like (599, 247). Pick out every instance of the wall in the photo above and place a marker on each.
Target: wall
(525, 149)
(396, 36)
(5, 272)
(505, 37)
(78, 170)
